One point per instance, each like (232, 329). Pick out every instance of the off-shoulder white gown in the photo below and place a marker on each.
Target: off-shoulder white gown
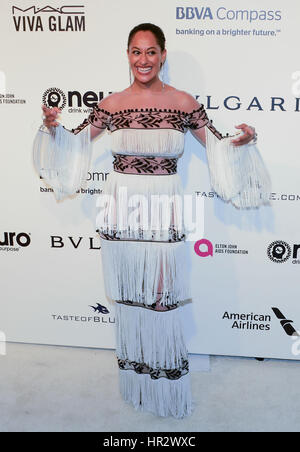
(142, 233)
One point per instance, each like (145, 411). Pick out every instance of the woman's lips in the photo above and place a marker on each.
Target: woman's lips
(143, 70)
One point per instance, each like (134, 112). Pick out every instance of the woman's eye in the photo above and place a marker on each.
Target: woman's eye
(137, 52)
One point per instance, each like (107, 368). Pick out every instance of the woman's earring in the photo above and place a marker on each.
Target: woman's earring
(130, 78)
(163, 75)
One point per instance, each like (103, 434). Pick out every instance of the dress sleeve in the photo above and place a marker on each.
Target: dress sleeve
(62, 157)
(237, 173)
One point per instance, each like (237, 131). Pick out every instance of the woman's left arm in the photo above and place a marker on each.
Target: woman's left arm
(198, 121)
(237, 171)
(248, 135)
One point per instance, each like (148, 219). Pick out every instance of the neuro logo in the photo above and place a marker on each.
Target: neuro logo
(208, 248)
(100, 308)
(54, 97)
(11, 239)
(285, 323)
(279, 251)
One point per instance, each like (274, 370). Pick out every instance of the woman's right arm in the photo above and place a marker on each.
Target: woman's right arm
(96, 128)
(61, 156)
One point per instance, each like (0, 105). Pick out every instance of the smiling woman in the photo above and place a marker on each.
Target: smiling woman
(146, 55)
(145, 265)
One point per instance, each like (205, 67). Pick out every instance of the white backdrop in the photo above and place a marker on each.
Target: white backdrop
(238, 58)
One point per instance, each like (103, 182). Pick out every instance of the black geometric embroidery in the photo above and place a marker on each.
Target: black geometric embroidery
(155, 373)
(144, 165)
(152, 307)
(173, 235)
(148, 118)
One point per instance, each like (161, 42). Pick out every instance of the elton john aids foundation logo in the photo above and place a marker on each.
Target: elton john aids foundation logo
(203, 248)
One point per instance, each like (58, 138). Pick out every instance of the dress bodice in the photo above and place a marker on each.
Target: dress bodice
(148, 131)
(154, 142)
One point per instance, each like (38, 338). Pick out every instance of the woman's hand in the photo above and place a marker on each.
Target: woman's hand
(249, 134)
(50, 116)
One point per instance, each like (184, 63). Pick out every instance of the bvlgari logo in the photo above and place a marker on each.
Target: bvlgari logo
(59, 242)
(61, 18)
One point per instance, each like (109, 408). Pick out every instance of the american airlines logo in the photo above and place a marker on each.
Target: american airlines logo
(285, 323)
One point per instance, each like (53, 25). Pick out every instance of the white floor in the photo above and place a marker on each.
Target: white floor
(48, 388)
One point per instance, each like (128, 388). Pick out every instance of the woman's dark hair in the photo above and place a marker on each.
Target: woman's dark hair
(158, 33)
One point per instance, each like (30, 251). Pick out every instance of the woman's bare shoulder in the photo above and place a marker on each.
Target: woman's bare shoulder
(173, 97)
(185, 100)
(111, 102)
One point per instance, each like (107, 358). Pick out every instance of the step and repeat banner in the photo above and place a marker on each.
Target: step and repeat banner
(238, 58)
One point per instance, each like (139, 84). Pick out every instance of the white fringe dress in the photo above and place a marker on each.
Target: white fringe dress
(142, 233)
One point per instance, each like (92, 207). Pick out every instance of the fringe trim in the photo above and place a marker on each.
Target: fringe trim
(162, 142)
(62, 159)
(237, 174)
(161, 397)
(149, 208)
(155, 373)
(134, 271)
(154, 338)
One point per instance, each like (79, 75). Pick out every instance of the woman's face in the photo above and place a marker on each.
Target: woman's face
(145, 56)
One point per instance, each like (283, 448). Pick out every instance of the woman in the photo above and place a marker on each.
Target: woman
(145, 265)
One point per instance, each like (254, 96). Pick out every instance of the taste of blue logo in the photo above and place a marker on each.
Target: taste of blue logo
(100, 308)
